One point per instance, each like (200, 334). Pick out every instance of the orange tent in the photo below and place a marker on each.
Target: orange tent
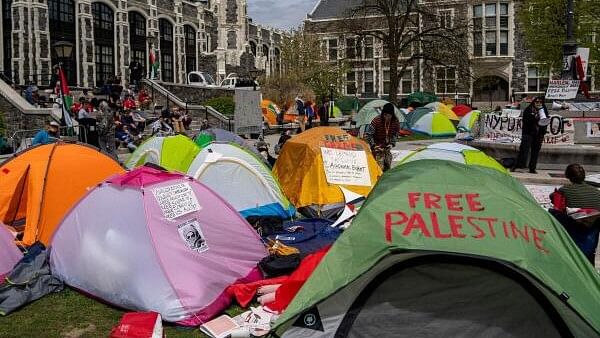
(41, 184)
(300, 167)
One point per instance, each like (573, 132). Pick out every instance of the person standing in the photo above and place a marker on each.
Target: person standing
(532, 134)
(382, 134)
(106, 129)
(324, 113)
(301, 112)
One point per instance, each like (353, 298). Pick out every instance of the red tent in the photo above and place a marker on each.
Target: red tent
(461, 109)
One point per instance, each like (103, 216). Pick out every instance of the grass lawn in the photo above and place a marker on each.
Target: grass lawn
(69, 314)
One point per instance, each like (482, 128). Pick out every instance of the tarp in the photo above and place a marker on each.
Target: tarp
(434, 125)
(153, 241)
(370, 110)
(306, 182)
(456, 152)
(41, 184)
(242, 179)
(171, 152)
(446, 209)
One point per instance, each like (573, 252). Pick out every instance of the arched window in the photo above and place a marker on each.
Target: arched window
(265, 50)
(277, 60)
(190, 48)
(7, 35)
(166, 49)
(137, 39)
(104, 37)
(61, 15)
(253, 47)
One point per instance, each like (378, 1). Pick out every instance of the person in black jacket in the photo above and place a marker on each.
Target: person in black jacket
(532, 137)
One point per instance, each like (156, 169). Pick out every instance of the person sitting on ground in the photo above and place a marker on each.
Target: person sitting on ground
(162, 126)
(129, 103)
(579, 195)
(48, 135)
(382, 135)
(177, 121)
(123, 134)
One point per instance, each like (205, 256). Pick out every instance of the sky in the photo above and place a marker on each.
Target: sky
(284, 14)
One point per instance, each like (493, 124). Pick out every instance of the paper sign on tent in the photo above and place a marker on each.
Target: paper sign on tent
(176, 200)
(346, 167)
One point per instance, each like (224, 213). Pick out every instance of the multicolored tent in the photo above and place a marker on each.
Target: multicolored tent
(208, 136)
(435, 234)
(456, 152)
(461, 110)
(9, 253)
(434, 125)
(330, 158)
(171, 152)
(150, 240)
(39, 185)
(443, 109)
(415, 115)
(370, 110)
(422, 97)
(242, 179)
(468, 121)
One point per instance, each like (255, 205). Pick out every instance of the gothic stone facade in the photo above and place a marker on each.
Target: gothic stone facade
(500, 69)
(215, 36)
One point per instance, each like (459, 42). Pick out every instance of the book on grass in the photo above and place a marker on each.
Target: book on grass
(219, 327)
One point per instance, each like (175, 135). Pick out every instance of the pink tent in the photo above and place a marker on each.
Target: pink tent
(155, 241)
(9, 253)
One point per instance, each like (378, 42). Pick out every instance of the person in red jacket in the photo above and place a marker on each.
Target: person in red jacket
(129, 103)
(382, 134)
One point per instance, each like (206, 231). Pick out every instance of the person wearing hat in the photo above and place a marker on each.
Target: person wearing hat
(382, 134)
(48, 135)
(535, 123)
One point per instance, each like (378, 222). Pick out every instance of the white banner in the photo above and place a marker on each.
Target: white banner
(347, 167)
(508, 129)
(176, 200)
(562, 89)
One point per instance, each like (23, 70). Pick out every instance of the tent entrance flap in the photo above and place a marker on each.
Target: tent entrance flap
(17, 207)
(445, 299)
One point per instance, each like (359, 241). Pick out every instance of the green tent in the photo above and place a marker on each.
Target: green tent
(172, 153)
(415, 115)
(441, 249)
(370, 110)
(422, 97)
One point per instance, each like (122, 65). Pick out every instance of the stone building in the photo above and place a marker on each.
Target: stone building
(216, 36)
(500, 67)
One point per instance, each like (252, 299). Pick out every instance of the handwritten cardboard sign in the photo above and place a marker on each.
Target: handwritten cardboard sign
(346, 167)
(562, 89)
(176, 200)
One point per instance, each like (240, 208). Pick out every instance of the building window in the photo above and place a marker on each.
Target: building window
(537, 79)
(445, 80)
(61, 15)
(351, 83)
(231, 40)
(404, 85)
(166, 49)
(368, 83)
(253, 48)
(351, 52)
(137, 39)
(368, 47)
(332, 49)
(7, 35)
(490, 25)
(446, 17)
(265, 51)
(103, 42)
(190, 48)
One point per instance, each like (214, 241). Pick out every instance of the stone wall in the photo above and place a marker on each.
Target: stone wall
(14, 120)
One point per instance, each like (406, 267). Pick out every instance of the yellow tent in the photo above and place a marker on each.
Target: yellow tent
(301, 167)
(444, 110)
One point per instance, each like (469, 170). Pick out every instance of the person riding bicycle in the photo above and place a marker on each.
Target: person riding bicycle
(382, 134)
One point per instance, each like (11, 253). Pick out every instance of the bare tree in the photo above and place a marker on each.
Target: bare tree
(411, 30)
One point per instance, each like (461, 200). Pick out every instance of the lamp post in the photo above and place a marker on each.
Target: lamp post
(570, 45)
(63, 50)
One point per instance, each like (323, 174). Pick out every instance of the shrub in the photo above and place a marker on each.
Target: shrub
(223, 104)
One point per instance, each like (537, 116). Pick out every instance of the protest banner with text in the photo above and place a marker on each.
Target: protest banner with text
(506, 129)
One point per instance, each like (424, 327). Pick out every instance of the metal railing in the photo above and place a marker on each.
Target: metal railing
(23, 139)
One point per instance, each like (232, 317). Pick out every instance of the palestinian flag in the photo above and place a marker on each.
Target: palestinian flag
(154, 63)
